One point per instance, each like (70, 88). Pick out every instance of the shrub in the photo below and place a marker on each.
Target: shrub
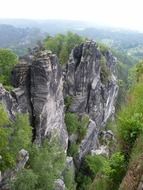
(73, 149)
(68, 101)
(83, 181)
(105, 72)
(22, 133)
(7, 61)
(83, 123)
(130, 120)
(26, 180)
(63, 44)
(103, 48)
(106, 172)
(115, 167)
(101, 183)
(76, 125)
(95, 163)
(47, 162)
(72, 123)
(13, 138)
(4, 120)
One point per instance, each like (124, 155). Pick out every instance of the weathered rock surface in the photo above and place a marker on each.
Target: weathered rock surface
(10, 103)
(59, 185)
(47, 98)
(39, 91)
(90, 141)
(94, 90)
(69, 172)
(90, 80)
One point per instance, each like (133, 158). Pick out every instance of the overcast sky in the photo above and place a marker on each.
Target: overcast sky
(117, 13)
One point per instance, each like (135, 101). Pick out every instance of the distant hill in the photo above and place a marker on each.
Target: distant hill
(19, 39)
(19, 34)
(52, 26)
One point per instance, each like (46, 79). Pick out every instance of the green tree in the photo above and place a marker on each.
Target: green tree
(22, 133)
(7, 61)
(114, 168)
(14, 136)
(47, 162)
(26, 180)
(63, 44)
(95, 163)
(130, 120)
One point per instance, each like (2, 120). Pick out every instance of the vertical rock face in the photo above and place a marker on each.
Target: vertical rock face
(47, 97)
(39, 91)
(9, 102)
(91, 82)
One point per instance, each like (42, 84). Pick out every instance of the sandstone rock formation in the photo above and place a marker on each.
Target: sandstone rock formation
(90, 81)
(39, 91)
(9, 102)
(92, 84)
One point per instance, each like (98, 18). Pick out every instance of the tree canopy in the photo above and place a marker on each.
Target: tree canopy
(63, 44)
(7, 61)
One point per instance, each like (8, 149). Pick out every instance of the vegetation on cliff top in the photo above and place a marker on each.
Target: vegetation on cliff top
(63, 44)
(7, 61)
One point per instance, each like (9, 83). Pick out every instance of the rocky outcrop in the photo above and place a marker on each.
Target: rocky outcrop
(90, 141)
(47, 97)
(91, 82)
(10, 103)
(39, 91)
(59, 185)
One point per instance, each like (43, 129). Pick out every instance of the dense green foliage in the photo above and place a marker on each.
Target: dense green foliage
(95, 163)
(14, 135)
(68, 102)
(103, 48)
(46, 164)
(72, 122)
(7, 61)
(105, 72)
(63, 44)
(76, 125)
(26, 180)
(130, 120)
(101, 172)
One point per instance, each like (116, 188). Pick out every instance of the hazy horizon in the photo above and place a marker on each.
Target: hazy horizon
(113, 13)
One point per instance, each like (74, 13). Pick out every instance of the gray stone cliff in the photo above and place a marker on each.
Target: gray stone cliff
(91, 82)
(38, 90)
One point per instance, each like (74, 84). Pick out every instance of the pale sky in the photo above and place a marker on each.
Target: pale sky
(116, 13)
